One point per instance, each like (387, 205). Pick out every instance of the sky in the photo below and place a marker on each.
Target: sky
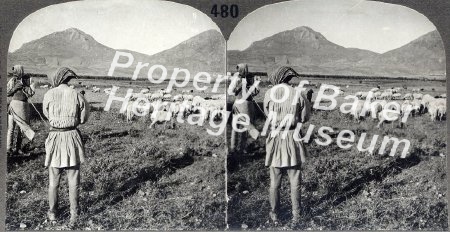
(374, 26)
(146, 26)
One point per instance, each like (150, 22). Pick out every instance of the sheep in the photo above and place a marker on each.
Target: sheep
(358, 94)
(386, 96)
(215, 108)
(376, 107)
(216, 114)
(386, 115)
(135, 96)
(441, 112)
(208, 108)
(163, 91)
(396, 96)
(437, 109)
(175, 108)
(218, 97)
(139, 107)
(178, 97)
(186, 108)
(396, 90)
(144, 91)
(107, 91)
(356, 111)
(156, 96)
(426, 100)
(167, 97)
(408, 96)
(375, 89)
(417, 106)
(364, 95)
(95, 89)
(160, 116)
(417, 96)
(188, 97)
(433, 110)
(197, 100)
(406, 107)
(201, 111)
(377, 95)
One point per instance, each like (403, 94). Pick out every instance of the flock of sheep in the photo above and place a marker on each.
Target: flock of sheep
(393, 94)
(163, 106)
(414, 104)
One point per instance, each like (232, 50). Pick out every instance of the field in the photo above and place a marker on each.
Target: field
(175, 177)
(134, 177)
(349, 189)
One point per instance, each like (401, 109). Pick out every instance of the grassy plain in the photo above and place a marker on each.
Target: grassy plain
(174, 178)
(134, 177)
(349, 189)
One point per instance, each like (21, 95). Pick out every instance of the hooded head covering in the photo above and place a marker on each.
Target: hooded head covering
(61, 75)
(17, 71)
(282, 75)
(243, 73)
(242, 70)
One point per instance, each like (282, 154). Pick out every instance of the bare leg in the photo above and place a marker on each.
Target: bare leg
(10, 133)
(54, 179)
(73, 176)
(295, 181)
(274, 191)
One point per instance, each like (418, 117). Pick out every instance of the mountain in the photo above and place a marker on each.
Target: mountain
(80, 51)
(423, 56)
(310, 52)
(302, 47)
(203, 52)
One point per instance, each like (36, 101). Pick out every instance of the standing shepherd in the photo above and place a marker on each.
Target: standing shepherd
(247, 107)
(65, 109)
(19, 89)
(284, 154)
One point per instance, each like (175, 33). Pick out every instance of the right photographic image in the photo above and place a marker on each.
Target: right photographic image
(338, 119)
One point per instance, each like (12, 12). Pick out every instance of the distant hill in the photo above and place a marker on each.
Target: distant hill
(303, 48)
(422, 56)
(80, 51)
(310, 52)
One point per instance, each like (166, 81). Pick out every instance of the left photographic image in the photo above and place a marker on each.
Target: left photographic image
(115, 118)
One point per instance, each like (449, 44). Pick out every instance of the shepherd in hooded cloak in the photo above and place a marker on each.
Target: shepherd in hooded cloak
(18, 88)
(283, 152)
(65, 109)
(243, 105)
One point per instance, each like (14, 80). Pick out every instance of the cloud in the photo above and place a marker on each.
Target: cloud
(386, 28)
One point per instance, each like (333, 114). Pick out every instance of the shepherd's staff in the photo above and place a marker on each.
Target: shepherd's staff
(42, 118)
(29, 101)
(264, 113)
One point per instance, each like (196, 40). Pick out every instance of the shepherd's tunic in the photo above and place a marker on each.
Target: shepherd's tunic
(286, 152)
(65, 109)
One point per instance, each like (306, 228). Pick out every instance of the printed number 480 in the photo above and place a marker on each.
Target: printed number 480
(225, 11)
